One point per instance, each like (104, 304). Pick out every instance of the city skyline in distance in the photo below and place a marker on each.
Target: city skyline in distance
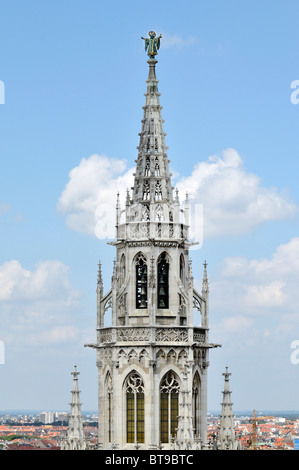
(230, 123)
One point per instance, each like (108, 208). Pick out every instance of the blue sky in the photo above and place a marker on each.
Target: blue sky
(74, 74)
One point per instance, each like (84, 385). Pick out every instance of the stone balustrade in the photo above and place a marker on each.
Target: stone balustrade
(153, 230)
(154, 334)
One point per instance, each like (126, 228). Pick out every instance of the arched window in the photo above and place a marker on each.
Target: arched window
(159, 213)
(163, 288)
(141, 281)
(169, 407)
(158, 191)
(135, 408)
(157, 167)
(146, 191)
(196, 403)
(109, 400)
(182, 268)
(147, 167)
(122, 270)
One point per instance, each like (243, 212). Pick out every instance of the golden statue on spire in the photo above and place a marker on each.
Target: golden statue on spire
(152, 44)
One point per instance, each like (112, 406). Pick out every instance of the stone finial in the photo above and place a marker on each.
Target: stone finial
(205, 282)
(100, 278)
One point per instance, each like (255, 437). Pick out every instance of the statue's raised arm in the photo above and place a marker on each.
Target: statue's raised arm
(152, 44)
(146, 42)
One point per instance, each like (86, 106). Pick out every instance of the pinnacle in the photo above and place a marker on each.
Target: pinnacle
(152, 177)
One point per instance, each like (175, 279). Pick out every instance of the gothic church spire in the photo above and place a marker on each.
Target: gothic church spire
(227, 437)
(152, 178)
(75, 436)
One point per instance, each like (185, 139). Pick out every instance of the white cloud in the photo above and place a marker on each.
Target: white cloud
(7, 209)
(89, 197)
(176, 41)
(38, 306)
(59, 334)
(259, 297)
(4, 207)
(234, 200)
(236, 325)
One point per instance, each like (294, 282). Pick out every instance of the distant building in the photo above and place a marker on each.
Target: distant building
(61, 416)
(47, 417)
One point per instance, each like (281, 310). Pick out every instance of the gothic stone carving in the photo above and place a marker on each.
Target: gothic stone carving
(171, 334)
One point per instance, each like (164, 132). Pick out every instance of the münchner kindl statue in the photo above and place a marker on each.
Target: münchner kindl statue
(152, 44)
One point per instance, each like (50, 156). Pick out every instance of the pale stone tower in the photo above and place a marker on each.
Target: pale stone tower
(152, 361)
(75, 439)
(227, 438)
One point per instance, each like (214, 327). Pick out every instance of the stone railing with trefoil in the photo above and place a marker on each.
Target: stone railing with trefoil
(152, 334)
(157, 230)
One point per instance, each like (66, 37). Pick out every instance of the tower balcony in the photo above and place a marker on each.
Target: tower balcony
(154, 335)
(152, 230)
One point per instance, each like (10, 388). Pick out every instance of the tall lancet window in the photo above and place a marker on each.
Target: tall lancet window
(109, 399)
(196, 403)
(122, 270)
(157, 167)
(147, 167)
(158, 191)
(141, 281)
(146, 191)
(163, 285)
(169, 407)
(182, 269)
(135, 408)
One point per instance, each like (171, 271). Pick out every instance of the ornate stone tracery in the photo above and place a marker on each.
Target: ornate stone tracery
(169, 383)
(134, 383)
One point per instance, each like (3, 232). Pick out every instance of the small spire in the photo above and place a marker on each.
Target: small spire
(99, 269)
(186, 209)
(128, 198)
(75, 373)
(75, 439)
(226, 374)
(100, 278)
(205, 282)
(152, 179)
(117, 209)
(114, 274)
(227, 437)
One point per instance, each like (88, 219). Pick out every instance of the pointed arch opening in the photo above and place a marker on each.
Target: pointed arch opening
(169, 407)
(134, 390)
(146, 191)
(147, 167)
(196, 404)
(141, 281)
(158, 191)
(122, 269)
(182, 268)
(163, 281)
(108, 405)
(157, 167)
(159, 213)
